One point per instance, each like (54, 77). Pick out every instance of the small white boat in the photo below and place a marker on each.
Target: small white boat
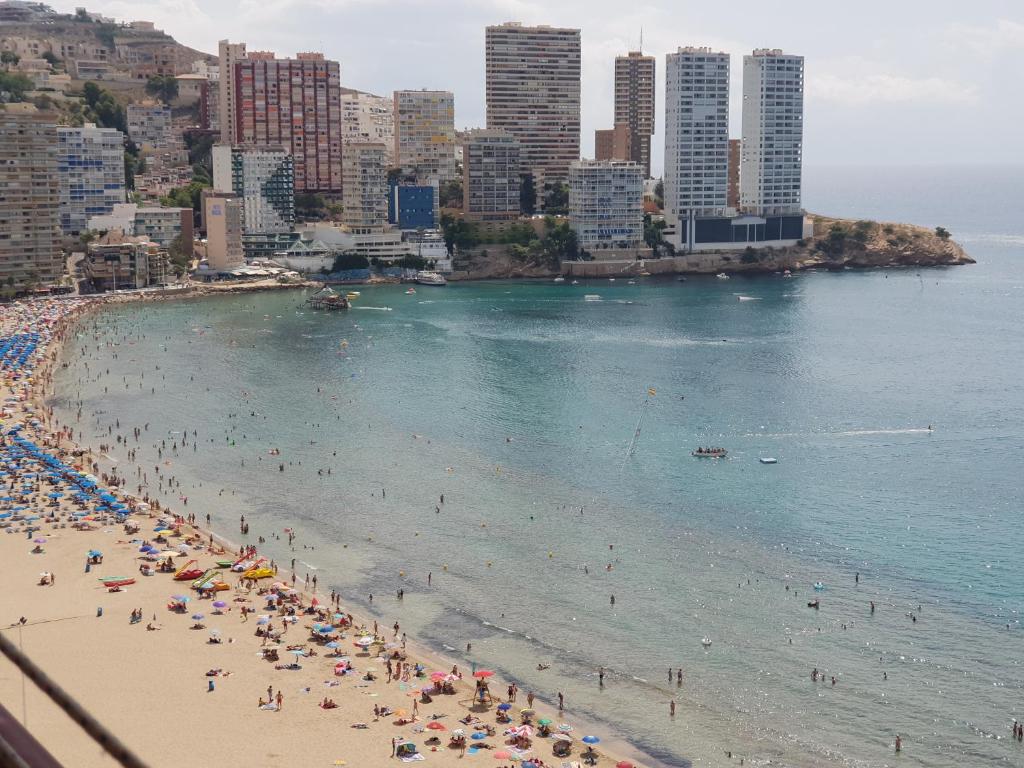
(611, 279)
(559, 279)
(748, 298)
(430, 278)
(592, 297)
(705, 641)
(768, 460)
(722, 276)
(575, 282)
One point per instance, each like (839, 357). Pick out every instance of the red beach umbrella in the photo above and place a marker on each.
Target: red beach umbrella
(481, 674)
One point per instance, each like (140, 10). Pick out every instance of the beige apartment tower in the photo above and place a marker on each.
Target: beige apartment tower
(634, 104)
(30, 233)
(490, 176)
(425, 134)
(230, 54)
(533, 92)
(365, 185)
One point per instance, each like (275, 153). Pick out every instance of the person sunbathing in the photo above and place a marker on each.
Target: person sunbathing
(328, 703)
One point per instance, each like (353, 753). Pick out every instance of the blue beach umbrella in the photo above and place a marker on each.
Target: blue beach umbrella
(95, 553)
(478, 735)
(198, 616)
(504, 706)
(590, 740)
(332, 645)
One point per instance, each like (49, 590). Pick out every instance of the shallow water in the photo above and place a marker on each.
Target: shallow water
(519, 402)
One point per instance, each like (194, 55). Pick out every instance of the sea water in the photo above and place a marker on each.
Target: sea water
(892, 400)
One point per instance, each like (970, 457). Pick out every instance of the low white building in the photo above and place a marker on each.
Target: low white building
(606, 204)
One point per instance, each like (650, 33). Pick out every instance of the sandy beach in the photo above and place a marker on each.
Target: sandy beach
(199, 675)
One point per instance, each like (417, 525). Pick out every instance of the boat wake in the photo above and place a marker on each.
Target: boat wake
(379, 309)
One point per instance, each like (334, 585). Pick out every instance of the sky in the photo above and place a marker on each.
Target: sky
(908, 82)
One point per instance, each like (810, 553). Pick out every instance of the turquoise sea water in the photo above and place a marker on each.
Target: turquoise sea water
(519, 401)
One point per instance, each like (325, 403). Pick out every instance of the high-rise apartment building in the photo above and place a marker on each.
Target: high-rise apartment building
(533, 92)
(262, 178)
(733, 195)
(634, 103)
(230, 54)
(90, 167)
(606, 204)
(294, 103)
(366, 117)
(149, 125)
(222, 217)
(425, 134)
(696, 133)
(29, 204)
(773, 133)
(613, 143)
(365, 195)
(491, 168)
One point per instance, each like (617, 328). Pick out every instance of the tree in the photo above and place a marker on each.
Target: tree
(346, 261)
(180, 259)
(309, 207)
(51, 58)
(556, 201)
(942, 233)
(411, 261)
(450, 194)
(654, 234)
(185, 197)
(527, 194)
(91, 93)
(13, 87)
(164, 87)
(9, 58)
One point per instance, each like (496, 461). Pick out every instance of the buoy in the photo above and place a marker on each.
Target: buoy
(551, 554)
(488, 563)
(402, 574)
(444, 567)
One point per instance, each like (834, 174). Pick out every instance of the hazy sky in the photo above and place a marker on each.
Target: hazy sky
(888, 81)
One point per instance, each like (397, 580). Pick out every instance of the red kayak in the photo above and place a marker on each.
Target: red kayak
(189, 575)
(118, 583)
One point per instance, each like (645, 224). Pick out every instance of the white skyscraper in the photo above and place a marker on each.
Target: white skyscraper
(90, 166)
(696, 135)
(773, 133)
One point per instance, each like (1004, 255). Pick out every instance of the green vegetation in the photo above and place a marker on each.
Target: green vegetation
(344, 261)
(310, 207)
(557, 245)
(13, 87)
(163, 87)
(411, 261)
(654, 236)
(942, 233)
(189, 196)
(103, 109)
(9, 58)
(180, 260)
(556, 200)
(527, 195)
(450, 194)
(51, 58)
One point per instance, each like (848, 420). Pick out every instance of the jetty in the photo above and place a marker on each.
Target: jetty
(327, 298)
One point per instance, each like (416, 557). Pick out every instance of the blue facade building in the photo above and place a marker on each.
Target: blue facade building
(412, 206)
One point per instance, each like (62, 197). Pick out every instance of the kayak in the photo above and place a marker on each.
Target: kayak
(118, 583)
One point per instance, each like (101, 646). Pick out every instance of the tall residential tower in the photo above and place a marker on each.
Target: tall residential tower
(425, 134)
(634, 104)
(696, 134)
(533, 92)
(773, 133)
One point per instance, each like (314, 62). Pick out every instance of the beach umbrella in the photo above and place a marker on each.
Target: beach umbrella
(438, 676)
(562, 737)
(529, 765)
(478, 735)
(198, 616)
(544, 721)
(591, 740)
(181, 598)
(526, 712)
(504, 706)
(95, 553)
(332, 645)
(215, 632)
(364, 641)
(39, 541)
(262, 621)
(297, 651)
(459, 732)
(482, 674)
(436, 726)
(219, 604)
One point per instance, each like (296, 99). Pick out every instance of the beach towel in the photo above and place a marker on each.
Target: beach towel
(413, 758)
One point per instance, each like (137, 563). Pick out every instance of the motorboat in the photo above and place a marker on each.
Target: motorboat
(559, 279)
(818, 586)
(709, 453)
(768, 460)
(815, 604)
(705, 641)
(430, 278)
(575, 282)
(722, 276)
(592, 297)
